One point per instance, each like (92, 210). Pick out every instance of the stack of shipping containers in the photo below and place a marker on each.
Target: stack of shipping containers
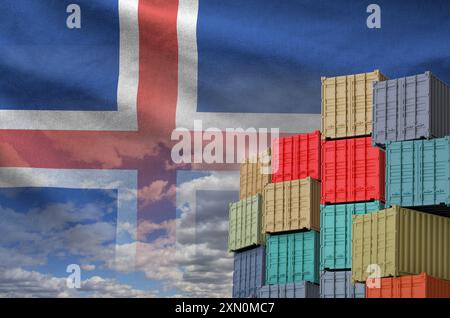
(408, 243)
(353, 176)
(366, 197)
(291, 217)
(246, 237)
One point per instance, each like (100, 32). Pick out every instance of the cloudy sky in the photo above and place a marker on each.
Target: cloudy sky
(273, 53)
(43, 231)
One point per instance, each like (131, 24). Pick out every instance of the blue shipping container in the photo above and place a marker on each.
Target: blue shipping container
(336, 232)
(249, 270)
(340, 285)
(292, 258)
(295, 290)
(417, 173)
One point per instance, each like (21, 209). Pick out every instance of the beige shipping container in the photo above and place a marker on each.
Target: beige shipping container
(254, 175)
(347, 105)
(291, 205)
(399, 241)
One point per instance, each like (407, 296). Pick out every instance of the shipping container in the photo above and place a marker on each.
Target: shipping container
(245, 223)
(338, 284)
(294, 290)
(411, 286)
(255, 173)
(410, 108)
(292, 258)
(399, 241)
(249, 271)
(417, 173)
(352, 171)
(296, 157)
(336, 232)
(292, 205)
(347, 105)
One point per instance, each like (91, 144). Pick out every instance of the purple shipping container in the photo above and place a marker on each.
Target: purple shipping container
(339, 285)
(249, 270)
(410, 108)
(294, 290)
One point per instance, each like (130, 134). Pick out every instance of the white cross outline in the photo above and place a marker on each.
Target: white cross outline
(187, 88)
(124, 119)
(124, 181)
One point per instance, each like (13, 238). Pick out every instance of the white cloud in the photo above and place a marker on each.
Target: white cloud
(56, 229)
(17, 282)
(191, 255)
(88, 267)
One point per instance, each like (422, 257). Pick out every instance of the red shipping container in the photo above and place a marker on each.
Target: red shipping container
(352, 171)
(412, 286)
(296, 157)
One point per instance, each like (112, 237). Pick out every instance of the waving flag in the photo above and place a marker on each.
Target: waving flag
(91, 93)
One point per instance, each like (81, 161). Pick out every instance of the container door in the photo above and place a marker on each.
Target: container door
(287, 156)
(362, 101)
(232, 228)
(379, 112)
(329, 107)
(351, 106)
(297, 251)
(401, 100)
(342, 107)
(298, 162)
(423, 107)
(411, 92)
(285, 259)
(287, 212)
(272, 262)
(407, 174)
(418, 171)
(280, 205)
(435, 171)
(269, 207)
(328, 235)
(345, 234)
(342, 170)
(392, 110)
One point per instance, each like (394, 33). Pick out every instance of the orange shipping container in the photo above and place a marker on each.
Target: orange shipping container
(412, 286)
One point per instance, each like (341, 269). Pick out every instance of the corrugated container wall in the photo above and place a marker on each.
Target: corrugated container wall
(292, 258)
(410, 108)
(296, 157)
(347, 105)
(249, 271)
(254, 175)
(401, 242)
(295, 290)
(339, 285)
(352, 171)
(336, 232)
(245, 225)
(292, 205)
(417, 172)
(412, 286)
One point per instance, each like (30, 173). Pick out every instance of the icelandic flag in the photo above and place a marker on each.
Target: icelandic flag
(92, 90)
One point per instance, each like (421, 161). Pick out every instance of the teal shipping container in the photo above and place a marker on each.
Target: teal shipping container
(336, 232)
(417, 173)
(292, 258)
